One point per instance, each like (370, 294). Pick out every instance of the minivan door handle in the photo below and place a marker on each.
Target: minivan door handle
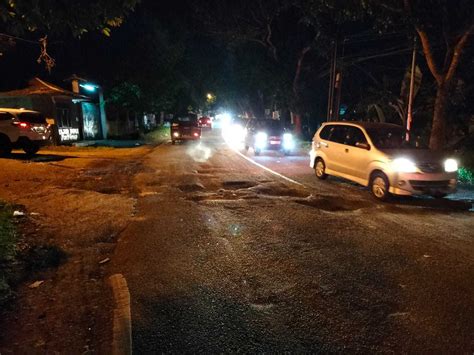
(346, 150)
(323, 144)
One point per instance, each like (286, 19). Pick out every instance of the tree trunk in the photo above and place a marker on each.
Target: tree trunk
(296, 120)
(438, 128)
(296, 116)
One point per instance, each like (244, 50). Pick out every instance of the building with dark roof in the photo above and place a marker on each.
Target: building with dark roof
(76, 117)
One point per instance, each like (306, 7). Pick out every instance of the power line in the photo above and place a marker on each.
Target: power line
(19, 39)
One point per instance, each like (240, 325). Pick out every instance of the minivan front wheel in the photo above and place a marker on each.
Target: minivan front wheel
(379, 186)
(320, 169)
(31, 148)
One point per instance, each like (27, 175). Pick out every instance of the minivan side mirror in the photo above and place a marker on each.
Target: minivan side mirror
(363, 145)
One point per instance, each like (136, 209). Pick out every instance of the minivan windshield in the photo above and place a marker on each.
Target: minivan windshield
(32, 117)
(390, 138)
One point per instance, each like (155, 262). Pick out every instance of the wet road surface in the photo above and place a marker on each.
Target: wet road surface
(223, 256)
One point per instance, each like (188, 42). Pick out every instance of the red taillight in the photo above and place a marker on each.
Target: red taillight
(196, 134)
(21, 124)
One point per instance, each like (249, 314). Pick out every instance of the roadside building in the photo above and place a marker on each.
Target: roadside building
(75, 116)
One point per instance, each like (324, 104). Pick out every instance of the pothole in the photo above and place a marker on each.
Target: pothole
(277, 189)
(212, 171)
(191, 187)
(238, 184)
(333, 205)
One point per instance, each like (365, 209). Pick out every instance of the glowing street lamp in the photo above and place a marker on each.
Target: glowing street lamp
(89, 87)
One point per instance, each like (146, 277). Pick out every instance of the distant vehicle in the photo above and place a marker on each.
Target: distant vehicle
(266, 134)
(234, 132)
(205, 122)
(185, 127)
(376, 155)
(22, 129)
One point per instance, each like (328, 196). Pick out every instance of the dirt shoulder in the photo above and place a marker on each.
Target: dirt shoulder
(76, 202)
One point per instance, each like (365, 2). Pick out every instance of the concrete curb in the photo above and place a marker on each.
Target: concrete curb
(122, 331)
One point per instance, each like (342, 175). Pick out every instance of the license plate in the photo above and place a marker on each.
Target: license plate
(274, 142)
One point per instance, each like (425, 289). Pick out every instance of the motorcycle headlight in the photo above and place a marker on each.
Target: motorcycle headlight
(288, 142)
(261, 137)
(404, 165)
(261, 140)
(450, 165)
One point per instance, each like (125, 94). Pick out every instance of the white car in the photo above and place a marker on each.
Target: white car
(22, 129)
(376, 155)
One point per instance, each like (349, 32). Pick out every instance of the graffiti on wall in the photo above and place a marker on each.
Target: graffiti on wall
(91, 117)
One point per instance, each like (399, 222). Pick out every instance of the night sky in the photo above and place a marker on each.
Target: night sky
(166, 48)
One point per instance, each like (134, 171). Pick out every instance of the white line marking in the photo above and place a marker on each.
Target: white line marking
(122, 331)
(268, 169)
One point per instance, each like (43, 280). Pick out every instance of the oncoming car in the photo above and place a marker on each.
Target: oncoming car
(376, 155)
(205, 122)
(264, 134)
(22, 129)
(185, 127)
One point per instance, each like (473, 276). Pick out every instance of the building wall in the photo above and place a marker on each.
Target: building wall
(66, 114)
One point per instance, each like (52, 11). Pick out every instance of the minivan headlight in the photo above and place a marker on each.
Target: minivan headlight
(404, 165)
(450, 165)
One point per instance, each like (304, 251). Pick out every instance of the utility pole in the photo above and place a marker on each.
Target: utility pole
(338, 83)
(103, 118)
(412, 90)
(332, 82)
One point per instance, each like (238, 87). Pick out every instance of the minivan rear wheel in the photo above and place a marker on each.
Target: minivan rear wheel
(5, 146)
(320, 169)
(379, 186)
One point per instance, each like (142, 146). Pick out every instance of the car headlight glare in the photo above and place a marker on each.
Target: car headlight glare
(404, 165)
(450, 165)
(287, 137)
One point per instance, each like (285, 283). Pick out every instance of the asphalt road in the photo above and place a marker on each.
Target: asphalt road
(223, 256)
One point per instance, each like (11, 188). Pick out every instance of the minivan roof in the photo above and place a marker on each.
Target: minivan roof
(364, 125)
(16, 110)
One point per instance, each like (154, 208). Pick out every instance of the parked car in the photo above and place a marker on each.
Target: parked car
(205, 122)
(376, 155)
(22, 129)
(185, 127)
(264, 134)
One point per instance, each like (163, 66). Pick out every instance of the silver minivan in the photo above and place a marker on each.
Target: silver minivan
(22, 129)
(377, 155)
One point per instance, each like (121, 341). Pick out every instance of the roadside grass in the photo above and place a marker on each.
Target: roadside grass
(158, 135)
(17, 265)
(466, 171)
(7, 250)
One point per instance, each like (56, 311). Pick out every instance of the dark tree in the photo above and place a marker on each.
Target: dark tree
(444, 28)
